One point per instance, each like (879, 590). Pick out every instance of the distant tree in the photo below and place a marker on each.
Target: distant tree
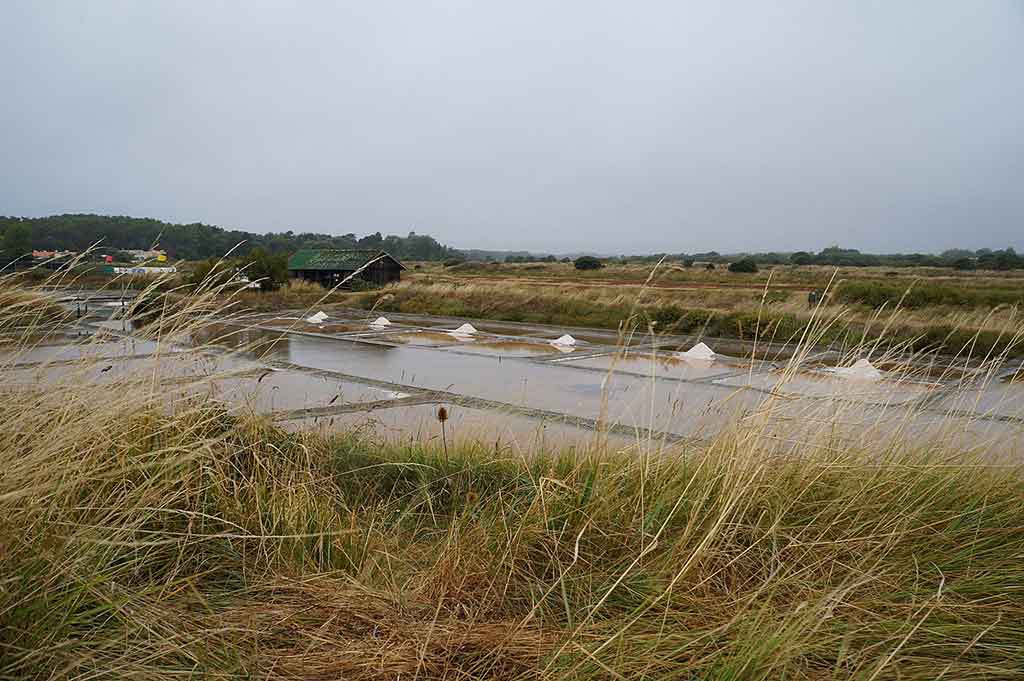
(566, 260)
(850, 257)
(17, 240)
(743, 265)
(196, 241)
(270, 270)
(1006, 259)
(801, 258)
(212, 273)
(965, 264)
(688, 263)
(588, 262)
(371, 241)
(709, 266)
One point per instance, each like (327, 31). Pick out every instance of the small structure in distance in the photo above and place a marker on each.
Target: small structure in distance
(337, 267)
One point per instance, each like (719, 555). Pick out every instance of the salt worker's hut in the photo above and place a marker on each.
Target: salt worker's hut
(331, 267)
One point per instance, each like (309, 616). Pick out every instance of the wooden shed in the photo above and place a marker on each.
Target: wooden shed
(331, 267)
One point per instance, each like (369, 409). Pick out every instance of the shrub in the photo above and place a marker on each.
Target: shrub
(453, 262)
(588, 262)
(212, 272)
(709, 266)
(965, 264)
(876, 294)
(271, 271)
(744, 265)
(667, 315)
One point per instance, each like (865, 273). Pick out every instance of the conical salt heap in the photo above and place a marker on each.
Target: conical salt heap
(566, 340)
(699, 351)
(380, 321)
(464, 330)
(318, 318)
(862, 370)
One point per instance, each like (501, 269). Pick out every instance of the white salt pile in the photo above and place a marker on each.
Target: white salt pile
(565, 340)
(699, 351)
(464, 330)
(380, 321)
(861, 370)
(318, 318)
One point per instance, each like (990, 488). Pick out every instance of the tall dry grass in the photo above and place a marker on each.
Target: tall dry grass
(150, 534)
(725, 313)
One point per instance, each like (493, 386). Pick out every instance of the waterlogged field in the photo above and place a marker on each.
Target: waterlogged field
(221, 494)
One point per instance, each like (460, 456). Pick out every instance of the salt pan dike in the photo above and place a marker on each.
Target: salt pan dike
(638, 392)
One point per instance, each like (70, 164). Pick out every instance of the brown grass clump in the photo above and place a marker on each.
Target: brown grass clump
(323, 628)
(28, 308)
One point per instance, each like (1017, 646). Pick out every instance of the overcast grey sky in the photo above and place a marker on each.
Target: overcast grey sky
(618, 127)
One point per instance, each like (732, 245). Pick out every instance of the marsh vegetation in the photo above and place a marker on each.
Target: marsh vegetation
(151, 537)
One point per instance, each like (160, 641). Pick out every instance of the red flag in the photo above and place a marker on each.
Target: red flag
(110, 258)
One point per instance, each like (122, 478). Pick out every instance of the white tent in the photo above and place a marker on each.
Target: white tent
(699, 351)
(862, 370)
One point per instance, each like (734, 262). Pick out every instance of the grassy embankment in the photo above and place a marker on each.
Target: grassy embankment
(932, 315)
(159, 541)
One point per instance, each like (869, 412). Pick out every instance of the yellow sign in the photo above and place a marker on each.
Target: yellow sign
(161, 258)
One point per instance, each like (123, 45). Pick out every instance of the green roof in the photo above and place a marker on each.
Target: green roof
(334, 259)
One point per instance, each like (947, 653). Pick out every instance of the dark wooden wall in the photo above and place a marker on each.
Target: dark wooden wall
(381, 272)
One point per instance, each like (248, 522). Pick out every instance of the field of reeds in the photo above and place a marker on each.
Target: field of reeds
(744, 314)
(148, 538)
(796, 277)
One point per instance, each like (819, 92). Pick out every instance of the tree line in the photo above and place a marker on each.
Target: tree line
(195, 241)
(957, 258)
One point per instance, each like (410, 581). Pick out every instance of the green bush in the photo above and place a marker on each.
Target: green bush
(965, 264)
(667, 315)
(588, 262)
(876, 294)
(744, 265)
